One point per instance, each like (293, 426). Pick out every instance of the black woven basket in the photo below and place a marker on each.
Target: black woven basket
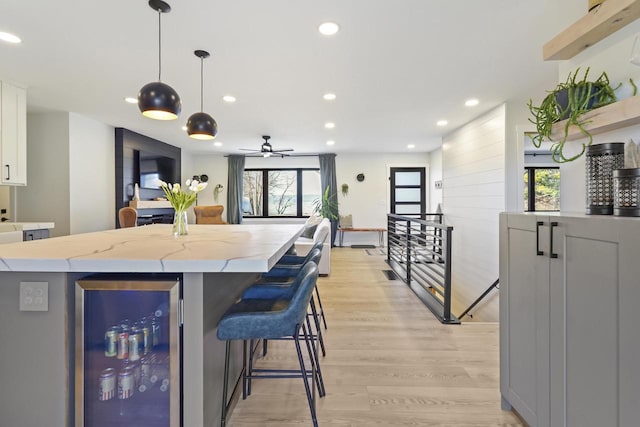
(626, 188)
(601, 161)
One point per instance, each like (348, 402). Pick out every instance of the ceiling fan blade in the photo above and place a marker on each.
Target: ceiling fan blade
(249, 149)
(284, 149)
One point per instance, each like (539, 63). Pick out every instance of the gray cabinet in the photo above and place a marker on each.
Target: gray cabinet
(569, 288)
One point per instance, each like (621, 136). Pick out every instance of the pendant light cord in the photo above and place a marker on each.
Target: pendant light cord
(159, 44)
(201, 84)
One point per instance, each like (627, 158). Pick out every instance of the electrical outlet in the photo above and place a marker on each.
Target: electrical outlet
(34, 296)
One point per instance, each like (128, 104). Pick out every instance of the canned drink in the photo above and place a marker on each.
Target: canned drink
(146, 338)
(145, 367)
(137, 373)
(126, 383)
(123, 344)
(107, 385)
(155, 331)
(111, 341)
(134, 344)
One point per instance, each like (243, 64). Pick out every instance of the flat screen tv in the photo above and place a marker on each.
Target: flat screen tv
(153, 167)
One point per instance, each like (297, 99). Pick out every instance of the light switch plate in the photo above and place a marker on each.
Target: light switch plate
(34, 296)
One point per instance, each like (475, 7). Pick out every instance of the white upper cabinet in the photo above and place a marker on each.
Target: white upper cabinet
(13, 134)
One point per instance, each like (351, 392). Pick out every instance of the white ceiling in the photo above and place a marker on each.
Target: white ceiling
(396, 66)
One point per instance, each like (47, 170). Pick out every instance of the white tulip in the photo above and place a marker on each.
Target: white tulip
(188, 182)
(160, 183)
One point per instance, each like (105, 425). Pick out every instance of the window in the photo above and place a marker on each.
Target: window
(287, 192)
(544, 184)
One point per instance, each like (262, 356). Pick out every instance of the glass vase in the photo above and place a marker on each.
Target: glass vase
(180, 225)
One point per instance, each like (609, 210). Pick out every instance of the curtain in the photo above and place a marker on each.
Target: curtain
(328, 179)
(234, 193)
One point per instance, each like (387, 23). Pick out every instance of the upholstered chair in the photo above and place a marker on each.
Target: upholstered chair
(128, 217)
(209, 214)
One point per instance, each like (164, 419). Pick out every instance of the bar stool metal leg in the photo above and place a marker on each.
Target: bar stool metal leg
(314, 313)
(223, 419)
(313, 357)
(324, 321)
(305, 378)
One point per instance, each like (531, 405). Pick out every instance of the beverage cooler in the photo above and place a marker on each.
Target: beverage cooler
(127, 362)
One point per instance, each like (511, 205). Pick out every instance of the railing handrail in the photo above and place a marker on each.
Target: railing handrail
(422, 221)
(419, 251)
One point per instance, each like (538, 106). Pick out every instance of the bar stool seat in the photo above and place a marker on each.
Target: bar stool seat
(285, 289)
(252, 319)
(288, 266)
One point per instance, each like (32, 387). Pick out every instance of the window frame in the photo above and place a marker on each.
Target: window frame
(531, 187)
(265, 191)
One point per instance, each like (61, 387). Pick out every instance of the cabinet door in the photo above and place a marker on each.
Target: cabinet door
(585, 288)
(13, 135)
(524, 316)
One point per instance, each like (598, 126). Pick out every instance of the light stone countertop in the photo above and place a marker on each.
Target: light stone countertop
(24, 226)
(153, 248)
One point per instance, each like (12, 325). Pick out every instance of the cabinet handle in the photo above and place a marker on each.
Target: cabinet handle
(8, 172)
(538, 251)
(551, 254)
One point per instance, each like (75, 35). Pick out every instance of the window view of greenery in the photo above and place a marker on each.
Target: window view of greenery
(288, 192)
(544, 184)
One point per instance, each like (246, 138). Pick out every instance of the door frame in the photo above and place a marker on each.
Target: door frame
(427, 183)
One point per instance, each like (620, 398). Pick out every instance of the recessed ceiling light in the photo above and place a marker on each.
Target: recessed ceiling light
(411, 146)
(328, 28)
(331, 142)
(184, 127)
(9, 38)
(329, 96)
(442, 123)
(471, 102)
(229, 98)
(329, 125)
(218, 144)
(131, 100)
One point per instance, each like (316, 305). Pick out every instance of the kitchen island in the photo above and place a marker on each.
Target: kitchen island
(214, 264)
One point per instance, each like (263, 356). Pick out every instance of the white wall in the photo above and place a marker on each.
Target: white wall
(611, 55)
(473, 163)
(435, 174)
(46, 197)
(215, 167)
(368, 201)
(91, 175)
(516, 123)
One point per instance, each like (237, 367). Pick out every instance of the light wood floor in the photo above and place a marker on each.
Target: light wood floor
(388, 363)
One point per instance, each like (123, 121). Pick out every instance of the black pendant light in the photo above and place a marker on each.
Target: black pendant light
(158, 100)
(201, 125)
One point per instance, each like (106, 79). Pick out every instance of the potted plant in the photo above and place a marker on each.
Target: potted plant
(569, 101)
(326, 206)
(344, 188)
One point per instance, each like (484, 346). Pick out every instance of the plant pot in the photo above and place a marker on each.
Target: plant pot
(594, 3)
(562, 99)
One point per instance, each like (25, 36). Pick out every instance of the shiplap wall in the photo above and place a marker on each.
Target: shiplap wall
(473, 160)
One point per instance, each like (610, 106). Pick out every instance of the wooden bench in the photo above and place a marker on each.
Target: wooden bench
(380, 232)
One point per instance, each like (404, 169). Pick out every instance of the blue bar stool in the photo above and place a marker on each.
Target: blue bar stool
(284, 290)
(255, 319)
(289, 265)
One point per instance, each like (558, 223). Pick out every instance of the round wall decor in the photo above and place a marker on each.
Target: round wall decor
(360, 177)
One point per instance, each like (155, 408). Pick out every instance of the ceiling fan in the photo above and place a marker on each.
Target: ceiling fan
(266, 150)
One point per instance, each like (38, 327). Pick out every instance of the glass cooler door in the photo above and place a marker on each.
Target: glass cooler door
(127, 353)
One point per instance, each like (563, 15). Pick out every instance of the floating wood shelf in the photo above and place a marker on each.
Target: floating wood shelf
(150, 204)
(604, 119)
(591, 28)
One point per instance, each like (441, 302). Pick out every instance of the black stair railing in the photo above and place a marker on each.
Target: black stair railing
(419, 252)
